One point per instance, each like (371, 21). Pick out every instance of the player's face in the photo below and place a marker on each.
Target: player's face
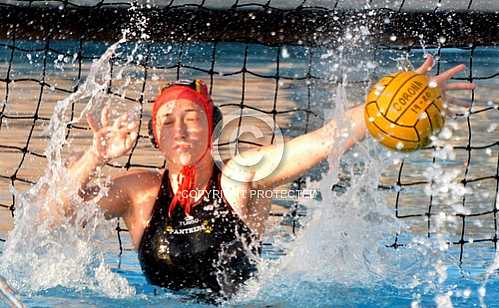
(182, 128)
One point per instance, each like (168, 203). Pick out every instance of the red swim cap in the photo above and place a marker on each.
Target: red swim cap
(194, 90)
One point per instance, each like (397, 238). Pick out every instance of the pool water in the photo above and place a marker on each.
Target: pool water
(287, 289)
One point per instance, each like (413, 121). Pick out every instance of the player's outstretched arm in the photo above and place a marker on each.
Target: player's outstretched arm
(304, 152)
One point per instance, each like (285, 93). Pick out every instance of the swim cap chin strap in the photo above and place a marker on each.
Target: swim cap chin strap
(197, 92)
(186, 180)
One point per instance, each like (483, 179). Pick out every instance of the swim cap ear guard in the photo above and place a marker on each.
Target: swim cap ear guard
(195, 85)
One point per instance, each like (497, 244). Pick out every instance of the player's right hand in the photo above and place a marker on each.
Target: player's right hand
(112, 141)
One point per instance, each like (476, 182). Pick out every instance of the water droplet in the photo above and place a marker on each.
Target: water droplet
(482, 291)
(400, 146)
(446, 133)
(284, 53)
(467, 293)
(393, 38)
(432, 84)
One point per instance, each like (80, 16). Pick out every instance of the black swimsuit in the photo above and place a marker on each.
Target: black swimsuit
(212, 248)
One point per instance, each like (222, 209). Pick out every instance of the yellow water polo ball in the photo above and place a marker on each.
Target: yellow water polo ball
(404, 110)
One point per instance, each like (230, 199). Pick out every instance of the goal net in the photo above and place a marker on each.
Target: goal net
(274, 57)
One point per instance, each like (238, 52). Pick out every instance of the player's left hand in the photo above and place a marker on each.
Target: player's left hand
(442, 81)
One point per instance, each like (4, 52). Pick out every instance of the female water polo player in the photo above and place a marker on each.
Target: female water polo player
(203, 240)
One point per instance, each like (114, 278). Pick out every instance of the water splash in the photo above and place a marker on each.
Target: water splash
(343, 243)
(48, 248)
(334, 241)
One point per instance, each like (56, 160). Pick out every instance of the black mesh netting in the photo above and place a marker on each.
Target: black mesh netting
(260, 55)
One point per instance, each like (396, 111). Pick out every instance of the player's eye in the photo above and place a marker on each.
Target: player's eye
(167, 121)
(192, 118)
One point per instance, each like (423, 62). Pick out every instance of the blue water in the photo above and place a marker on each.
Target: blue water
(291, 292)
